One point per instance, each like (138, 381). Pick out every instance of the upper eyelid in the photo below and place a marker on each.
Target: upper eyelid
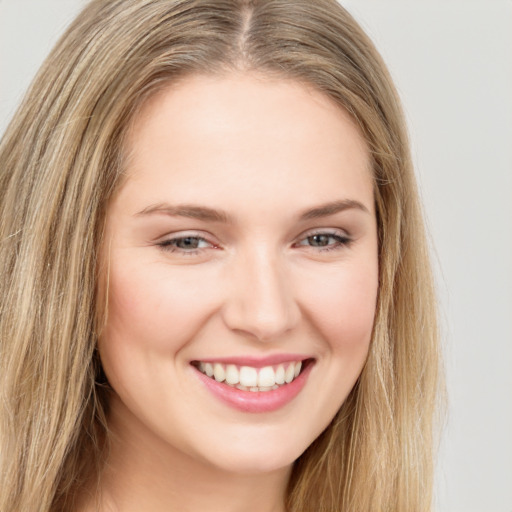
(324, 231)
(185, 234)
(341, 239)
(333, 232)
(208, 238)
(175, 238)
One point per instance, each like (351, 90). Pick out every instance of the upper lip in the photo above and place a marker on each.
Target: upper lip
(256, 361)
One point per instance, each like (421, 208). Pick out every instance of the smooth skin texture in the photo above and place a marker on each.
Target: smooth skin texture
(258, 277)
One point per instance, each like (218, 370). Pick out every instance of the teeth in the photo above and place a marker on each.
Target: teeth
(247, 378)
(218, 372)
(232, 376)
(208, 369)
(266, 377)
(280, 374)
(289, 374)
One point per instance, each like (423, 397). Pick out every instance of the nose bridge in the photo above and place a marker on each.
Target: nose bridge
(261, 301)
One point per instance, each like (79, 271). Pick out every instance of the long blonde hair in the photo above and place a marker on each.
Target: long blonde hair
(61, 160)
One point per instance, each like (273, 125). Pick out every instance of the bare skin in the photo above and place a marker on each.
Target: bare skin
(246, 229)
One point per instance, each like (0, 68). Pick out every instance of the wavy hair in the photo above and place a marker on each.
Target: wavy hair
(61, 160)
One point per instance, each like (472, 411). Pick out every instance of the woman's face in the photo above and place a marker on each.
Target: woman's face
(243, 243)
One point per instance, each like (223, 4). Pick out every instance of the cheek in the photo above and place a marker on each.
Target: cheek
(152, 306)
(343, 307)
(152, 314)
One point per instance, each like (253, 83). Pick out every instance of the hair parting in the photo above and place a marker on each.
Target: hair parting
(61, 162)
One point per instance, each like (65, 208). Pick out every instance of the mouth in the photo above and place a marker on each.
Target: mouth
(251, 378)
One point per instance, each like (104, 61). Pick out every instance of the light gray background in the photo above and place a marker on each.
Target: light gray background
(452, 62)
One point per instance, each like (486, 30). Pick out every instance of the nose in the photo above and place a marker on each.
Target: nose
(260, 300)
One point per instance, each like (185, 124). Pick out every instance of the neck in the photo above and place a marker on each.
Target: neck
(143, 472)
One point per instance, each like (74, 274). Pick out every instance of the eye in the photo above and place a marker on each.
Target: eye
(185, 244)
(325, 241)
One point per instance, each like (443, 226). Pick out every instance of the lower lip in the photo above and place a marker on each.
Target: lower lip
(256, 401)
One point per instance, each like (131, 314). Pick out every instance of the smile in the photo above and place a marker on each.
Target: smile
(254, 387)
(249, 378)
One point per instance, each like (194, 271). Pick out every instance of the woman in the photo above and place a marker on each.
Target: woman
(215, 285)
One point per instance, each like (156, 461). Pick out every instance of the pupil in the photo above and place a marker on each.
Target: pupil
(319, 240)
(188, 243)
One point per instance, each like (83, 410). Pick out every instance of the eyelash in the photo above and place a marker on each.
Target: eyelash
(340, 241)
(170, 245)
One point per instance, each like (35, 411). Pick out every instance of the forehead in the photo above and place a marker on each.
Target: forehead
(249, 134)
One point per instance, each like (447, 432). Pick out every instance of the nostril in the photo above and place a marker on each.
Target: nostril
(259, 303)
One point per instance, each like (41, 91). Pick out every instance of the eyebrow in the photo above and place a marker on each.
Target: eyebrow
(188, 210)
(211, 214)
(332, 208)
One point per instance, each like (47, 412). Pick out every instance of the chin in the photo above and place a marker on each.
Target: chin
(255, 465)
(252, 456)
